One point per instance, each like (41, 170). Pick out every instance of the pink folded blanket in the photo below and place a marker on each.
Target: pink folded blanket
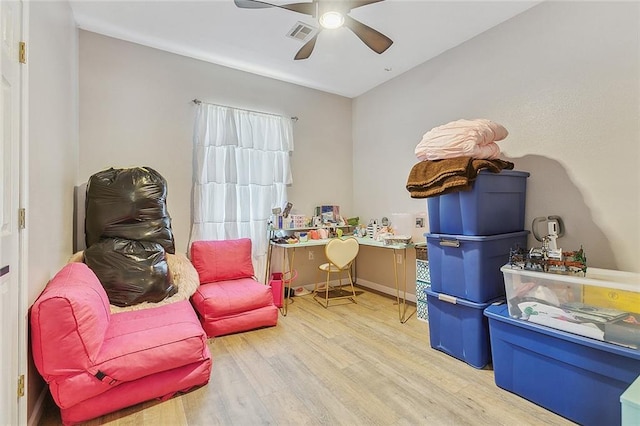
(462, 138)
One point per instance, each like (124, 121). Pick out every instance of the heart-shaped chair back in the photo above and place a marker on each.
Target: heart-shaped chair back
(342, 252)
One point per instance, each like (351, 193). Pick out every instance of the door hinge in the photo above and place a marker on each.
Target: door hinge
(22, 218)
(22, 53)
(21, 386)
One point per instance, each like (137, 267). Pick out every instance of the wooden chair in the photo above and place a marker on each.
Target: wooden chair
(340, 254)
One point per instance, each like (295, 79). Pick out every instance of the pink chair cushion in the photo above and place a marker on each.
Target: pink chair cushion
(147, 341)
(222, 260)
(230, 297)
(82, 351)
(250, 320)
(162, 386)
(138, 344)
(69, 322)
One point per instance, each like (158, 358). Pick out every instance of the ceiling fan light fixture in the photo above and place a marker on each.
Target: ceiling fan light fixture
(331, 20)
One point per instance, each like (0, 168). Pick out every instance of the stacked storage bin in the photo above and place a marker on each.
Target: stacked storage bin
(423, 282)
(471, 235)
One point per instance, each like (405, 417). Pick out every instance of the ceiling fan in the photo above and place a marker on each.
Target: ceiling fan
(331, 14)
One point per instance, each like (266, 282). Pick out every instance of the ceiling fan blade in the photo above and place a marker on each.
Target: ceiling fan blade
(306, 50)
(358, 3)
(306, 8)
(376, 41)
(252, 4)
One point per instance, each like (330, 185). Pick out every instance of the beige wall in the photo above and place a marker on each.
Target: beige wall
(564, 79)
(136, 110)
(53, 149)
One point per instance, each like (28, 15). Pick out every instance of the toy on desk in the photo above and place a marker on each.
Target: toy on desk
(396, 239)
(360, 231)
(383, 232)
(287, 209)
(372, 228)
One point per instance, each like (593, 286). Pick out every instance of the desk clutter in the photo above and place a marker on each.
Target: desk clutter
(324, 216)
(290, 228)
(329, 228)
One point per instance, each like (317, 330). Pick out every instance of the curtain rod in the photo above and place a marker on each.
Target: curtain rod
(198, 102)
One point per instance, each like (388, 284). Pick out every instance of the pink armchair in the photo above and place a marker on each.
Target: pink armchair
(96, 362)
(229, 299)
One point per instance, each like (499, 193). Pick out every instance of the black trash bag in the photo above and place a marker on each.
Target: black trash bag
(131, 272)
(155, 231)
(129, 204)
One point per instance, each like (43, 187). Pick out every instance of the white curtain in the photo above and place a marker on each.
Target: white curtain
(241, 172)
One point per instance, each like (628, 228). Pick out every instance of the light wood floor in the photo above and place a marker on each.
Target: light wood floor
(346, 365)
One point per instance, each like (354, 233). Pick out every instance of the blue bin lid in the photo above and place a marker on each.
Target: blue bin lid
(477, 237)
(503, 172)
(501, 313)
(458, 301)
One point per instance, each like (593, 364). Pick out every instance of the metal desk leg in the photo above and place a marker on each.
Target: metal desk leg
(267, 272)
(402, 307)
(286, 283)
(284, 308)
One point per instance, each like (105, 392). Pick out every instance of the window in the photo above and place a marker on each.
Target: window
(241, 172)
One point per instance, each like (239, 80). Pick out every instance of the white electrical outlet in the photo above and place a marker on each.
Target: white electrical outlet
(399, 259)
(310, 255)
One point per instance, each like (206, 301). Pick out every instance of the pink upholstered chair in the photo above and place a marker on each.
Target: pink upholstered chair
(96, 362)
(230, 299)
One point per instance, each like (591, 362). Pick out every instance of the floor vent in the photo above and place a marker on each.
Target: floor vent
(301, 31)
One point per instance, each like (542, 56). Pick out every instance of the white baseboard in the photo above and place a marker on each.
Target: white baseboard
(384, 289)
(373, 286)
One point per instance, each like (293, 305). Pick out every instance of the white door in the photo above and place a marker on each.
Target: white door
(10, 131)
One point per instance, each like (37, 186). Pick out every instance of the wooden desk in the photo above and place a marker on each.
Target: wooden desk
(289, 254)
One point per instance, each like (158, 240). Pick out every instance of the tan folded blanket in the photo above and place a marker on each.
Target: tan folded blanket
(433, 178)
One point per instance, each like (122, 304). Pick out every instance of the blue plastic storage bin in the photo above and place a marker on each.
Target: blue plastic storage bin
(458, 327)
(469, 266)
(576, 377)
(494, 205)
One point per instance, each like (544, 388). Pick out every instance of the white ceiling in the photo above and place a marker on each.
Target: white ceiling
(255, 40)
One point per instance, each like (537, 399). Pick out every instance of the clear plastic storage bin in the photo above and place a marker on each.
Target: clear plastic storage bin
(603, 305)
